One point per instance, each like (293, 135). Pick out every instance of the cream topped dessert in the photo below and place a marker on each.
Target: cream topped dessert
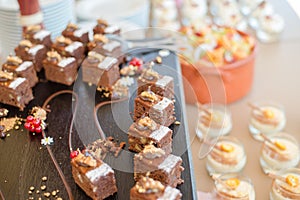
(287, 186)
(213, 122)
(227, 156)
(230, 187)
(266, 119)
(279, 152)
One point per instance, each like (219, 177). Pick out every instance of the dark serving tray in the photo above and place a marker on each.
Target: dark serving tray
(24, 161)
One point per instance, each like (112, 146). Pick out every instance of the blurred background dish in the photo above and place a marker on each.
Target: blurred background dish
(57, 14)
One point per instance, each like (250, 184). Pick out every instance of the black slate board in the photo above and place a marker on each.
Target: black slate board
(23, 160)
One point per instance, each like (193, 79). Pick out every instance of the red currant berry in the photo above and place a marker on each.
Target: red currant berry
(36, 122)
(38, 129)
(31, 129)
(74, 154)
(29, 118)
(27, 125)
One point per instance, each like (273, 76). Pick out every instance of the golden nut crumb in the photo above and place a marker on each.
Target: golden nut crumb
(31, 188)
(43, 187)
(280, 146)
(47, 194)
(54, 193)
(150, 96)
(44, 178)
(159, 59)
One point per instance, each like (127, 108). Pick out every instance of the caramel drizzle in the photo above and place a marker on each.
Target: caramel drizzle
(61, 174)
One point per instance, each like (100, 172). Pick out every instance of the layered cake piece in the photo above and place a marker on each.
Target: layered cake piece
(37, 35)
(146, 131)
(100, 70)
(75, 33)
(102, 27)
(148, 189)
(158, 165)
(29, 52)
(96, 178)
(60, 69)
(160, 109)
(111, 48)
(25, 69)
(161, 85)
(14, 91)
(98, 41)
(67, 48)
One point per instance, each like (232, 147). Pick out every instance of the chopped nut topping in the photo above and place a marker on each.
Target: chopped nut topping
(93, 54)
(146, 122)
(26, 43)
(233, 183)
(39, 113)
(62, 39)
(150, 151)
(269, 114)
(280, 146)
(150, 74)
(54, 55)
(292, 180)
(149, 96)
(14, 60)
(3, 112)
(86, 161)
(34, 28)
(102, 22)
(227, 148)
(100, 38)
(148, 185)
(6, 76)
(72, 26)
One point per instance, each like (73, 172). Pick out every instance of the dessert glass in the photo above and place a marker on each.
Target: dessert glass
(268, 119)
(214, 120)
(233, 187)
(282, 153)
(288, 189)
(227, 156)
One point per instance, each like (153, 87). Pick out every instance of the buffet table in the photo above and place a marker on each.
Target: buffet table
(276, 79)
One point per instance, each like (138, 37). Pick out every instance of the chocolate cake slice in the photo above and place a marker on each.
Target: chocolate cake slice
(67, 48)
(161, 85)
(25, 69)
(37, 35)
(146, 131)
(73, 32)
(96, 178)
(160, 109)
(111, 48)
(14, 91)
(148, 189)
(158, 165)
(99, 70)
(60, 69)
(30, 52)
(102, 27)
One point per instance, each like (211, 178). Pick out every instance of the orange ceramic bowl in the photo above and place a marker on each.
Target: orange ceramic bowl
(224, 84)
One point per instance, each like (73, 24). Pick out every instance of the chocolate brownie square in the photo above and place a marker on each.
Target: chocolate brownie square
(25, 69)
(75, 33)
(156, 164)
(100, 70)
(160, 109)
(148, 189)
(161, 85)
(146, 131)
(30, 52)
(37, 35)
(14, 91)
(67, 48)
(102, 27)
(93, 176)
(60, 69)
(111, 48)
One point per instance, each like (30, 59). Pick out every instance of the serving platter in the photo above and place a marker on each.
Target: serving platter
(24, 161)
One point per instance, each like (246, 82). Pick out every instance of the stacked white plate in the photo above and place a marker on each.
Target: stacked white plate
(57, 14)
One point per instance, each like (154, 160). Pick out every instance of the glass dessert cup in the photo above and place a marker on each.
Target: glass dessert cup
(281, 152)
(233, 187)
(266, 118)
(214, 120)
(288, 187)
(226, 156)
